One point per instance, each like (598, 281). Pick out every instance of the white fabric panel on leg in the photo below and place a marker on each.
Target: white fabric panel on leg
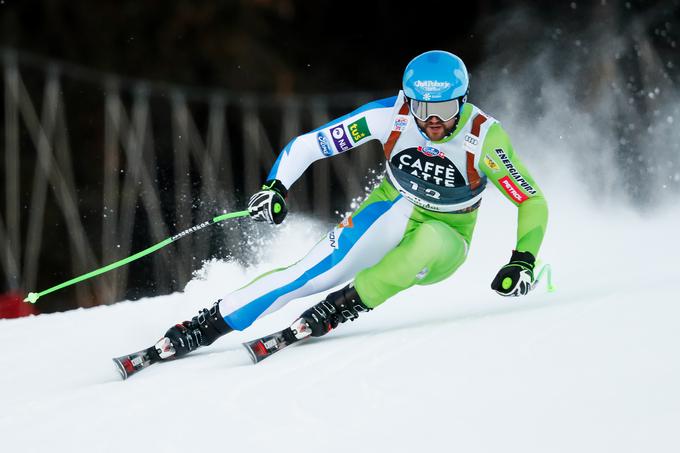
(377, 228)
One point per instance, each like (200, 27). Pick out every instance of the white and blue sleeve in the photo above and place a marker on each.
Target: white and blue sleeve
(369, 122)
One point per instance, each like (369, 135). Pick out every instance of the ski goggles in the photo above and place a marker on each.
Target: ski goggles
(444, 110)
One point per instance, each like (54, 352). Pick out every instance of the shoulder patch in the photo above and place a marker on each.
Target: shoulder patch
(359, 129)
(324, 144)
(340, 138)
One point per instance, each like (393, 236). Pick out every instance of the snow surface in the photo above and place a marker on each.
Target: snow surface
(593, 367)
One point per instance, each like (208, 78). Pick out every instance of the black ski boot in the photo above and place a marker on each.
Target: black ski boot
(338, 307)
(202, 330)
(318, 320)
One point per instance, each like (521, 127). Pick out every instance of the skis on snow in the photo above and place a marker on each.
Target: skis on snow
(268, 345)
(258, 349)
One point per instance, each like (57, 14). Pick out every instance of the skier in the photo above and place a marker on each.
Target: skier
(413, 229)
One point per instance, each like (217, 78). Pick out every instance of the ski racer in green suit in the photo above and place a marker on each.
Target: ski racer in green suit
(415, 228)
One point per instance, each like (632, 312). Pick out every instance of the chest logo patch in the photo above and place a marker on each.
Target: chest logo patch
(471, 139)
(428, 164)
(431, 152)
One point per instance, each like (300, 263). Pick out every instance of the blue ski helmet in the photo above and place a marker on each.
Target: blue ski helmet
(436, 76)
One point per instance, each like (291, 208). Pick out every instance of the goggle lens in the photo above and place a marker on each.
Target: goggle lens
(444, 110)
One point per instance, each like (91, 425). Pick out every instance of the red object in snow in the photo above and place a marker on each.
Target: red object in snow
(12, 305)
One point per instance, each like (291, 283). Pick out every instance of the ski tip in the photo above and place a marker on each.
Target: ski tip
(121, 368)
(253, 357)
(253, 348)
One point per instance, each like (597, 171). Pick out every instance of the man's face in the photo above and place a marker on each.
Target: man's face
(436, 129)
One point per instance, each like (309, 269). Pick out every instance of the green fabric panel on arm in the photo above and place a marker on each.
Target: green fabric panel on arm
(532, 218)
(505, 170)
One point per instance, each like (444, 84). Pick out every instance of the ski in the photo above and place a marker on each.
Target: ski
(268, 345)
(130, 364)
(259, 349)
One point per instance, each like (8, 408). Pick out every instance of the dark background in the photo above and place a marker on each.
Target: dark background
(287, 46)
(274, 46)
(280, 48)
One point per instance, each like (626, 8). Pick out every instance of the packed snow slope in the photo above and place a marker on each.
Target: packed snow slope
(592, 367)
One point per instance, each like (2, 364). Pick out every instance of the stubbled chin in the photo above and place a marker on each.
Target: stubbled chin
(435, 133)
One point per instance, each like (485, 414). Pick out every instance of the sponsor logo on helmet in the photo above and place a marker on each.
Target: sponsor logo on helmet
(491, 164)
(324, 144)
(431, 85)
(512, 190)
(432, 152)
(516, 175)
(340, 138)
(400, 123)
(359, 129)
(431, 89)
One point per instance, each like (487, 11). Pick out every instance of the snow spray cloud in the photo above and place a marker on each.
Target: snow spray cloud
(596, 95)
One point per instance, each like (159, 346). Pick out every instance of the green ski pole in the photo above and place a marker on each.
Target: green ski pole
(33, 297)
(545, 269)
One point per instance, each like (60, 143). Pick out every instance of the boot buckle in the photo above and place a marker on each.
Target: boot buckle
(164, 348)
